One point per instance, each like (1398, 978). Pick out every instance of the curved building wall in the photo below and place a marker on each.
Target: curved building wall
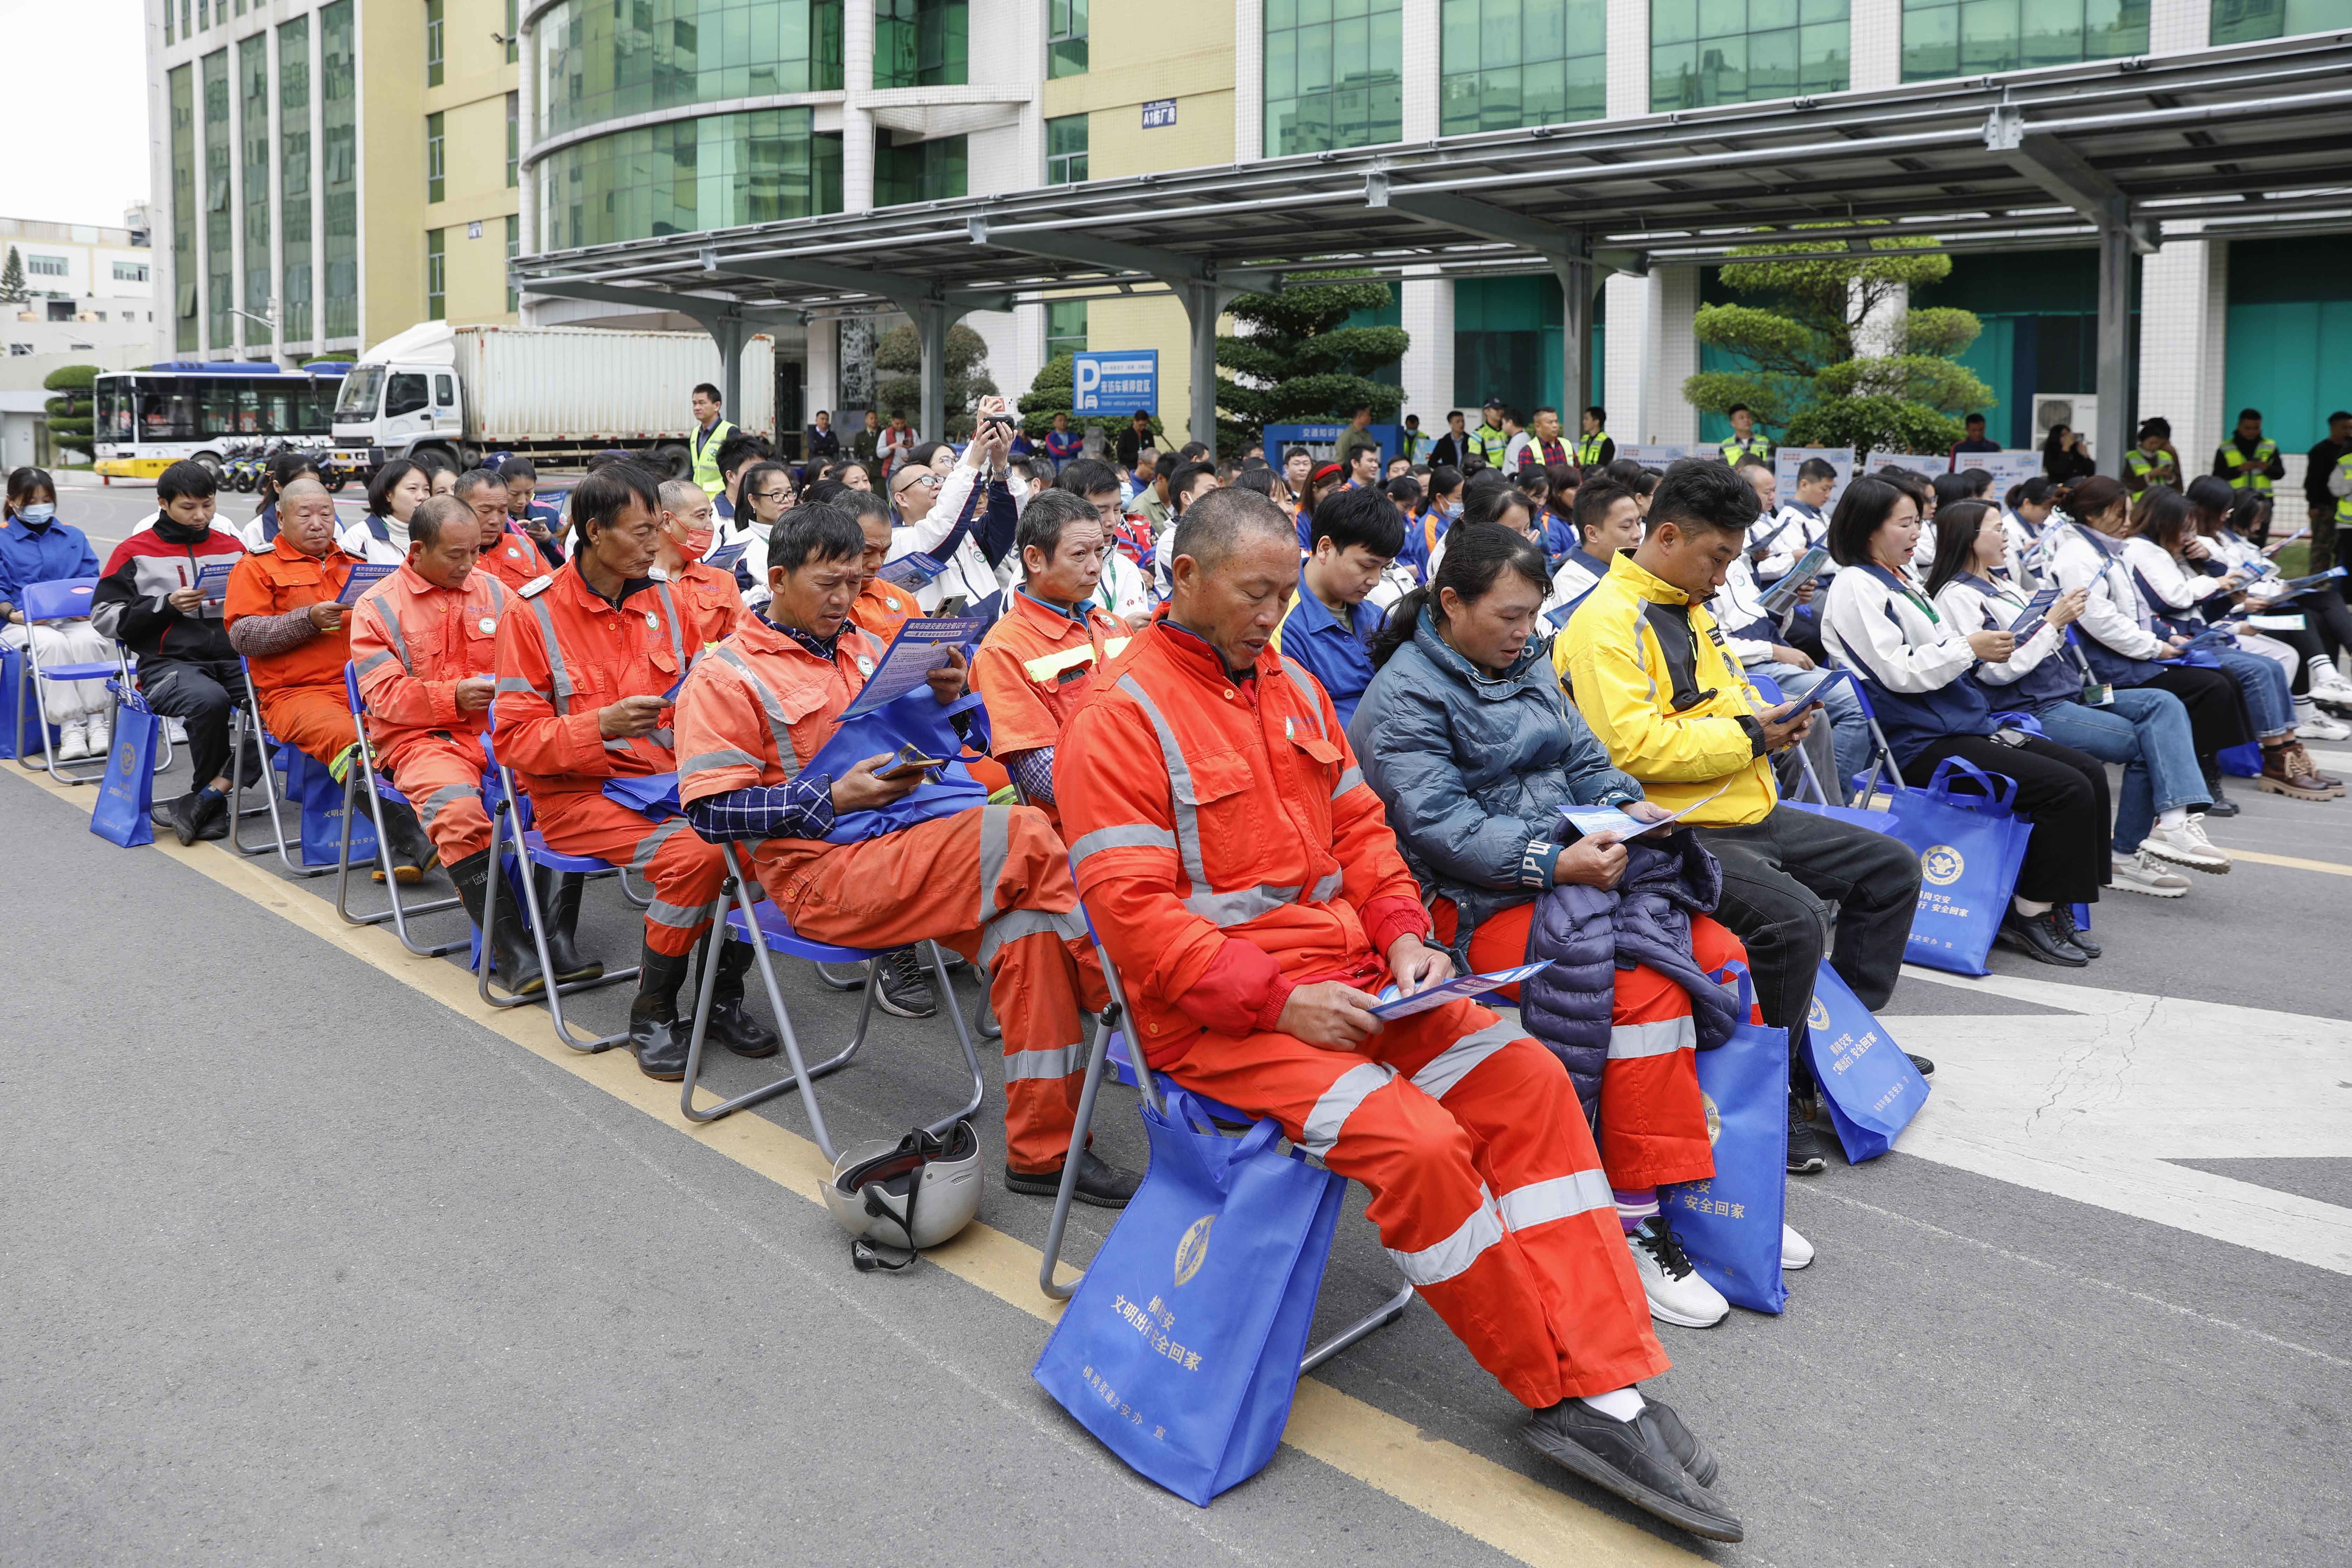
(717, 171)
(607, 59)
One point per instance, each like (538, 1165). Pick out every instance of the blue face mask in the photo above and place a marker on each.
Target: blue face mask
(39, 512)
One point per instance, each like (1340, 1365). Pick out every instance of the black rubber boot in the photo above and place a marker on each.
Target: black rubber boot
(412, 854)
(559, 897)
(657, 1038)
(512, 958)
(731, 1025)
(2223, 805)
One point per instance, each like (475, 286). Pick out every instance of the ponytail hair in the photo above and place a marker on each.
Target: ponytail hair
(1477, 555)
(1957, 527)
(2094, 495)
(2039, 490)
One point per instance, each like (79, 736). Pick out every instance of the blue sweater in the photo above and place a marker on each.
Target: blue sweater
(42, 554)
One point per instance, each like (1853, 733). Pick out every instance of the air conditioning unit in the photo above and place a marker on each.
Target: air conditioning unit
(2076, 410)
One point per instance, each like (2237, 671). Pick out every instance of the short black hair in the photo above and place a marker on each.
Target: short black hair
(1867, 502)
(1599, 413)
(1696, 492)
(380, 488)
(1738, 408)
(473, 480)
(920, 456)
(1973, 419)
(709, 392)
(607, 492)
(432, 461)
(1044, 517)
(1364, 516)
(1215, 524)
(1039, 468)
(1194, 452)
(1182, 479)
(424, 524)
(1593, 501)
(1813, 468)
(518, 468)
(185, 477)
(2245, 414)
(1088, 477)
(740, 449)
(1403, 489)
(1443, 479)
(1750, 460)
(757, 474)
(858, 503)
(807, 533)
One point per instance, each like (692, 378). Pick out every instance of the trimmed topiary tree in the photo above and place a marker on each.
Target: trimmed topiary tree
(1299, 364)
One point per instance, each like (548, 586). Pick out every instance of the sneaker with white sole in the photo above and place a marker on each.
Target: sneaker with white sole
(73, 740)
(2139, 874)
(1795, 1250)
(101, 735)
(2311, 725)
(2185, 845)
(1677, 1294)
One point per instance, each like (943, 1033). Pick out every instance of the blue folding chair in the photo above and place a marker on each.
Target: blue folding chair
(510, 831)
(65, 599)
(761, 923)
(244, 720)
(364, 774)
(1153, 1086)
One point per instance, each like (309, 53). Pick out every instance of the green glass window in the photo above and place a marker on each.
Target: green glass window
(1065, 327)
(294, 321)
(1334, 74)
(181, 90)
(1065, 39)
(599, 60)
(253, 136)
(339, 170)
(1962, 38)
(1746, 52)
(436, 274)
(437, 156)
(514, 137)
(1509, 63)
(433, 31)
(2245, 21)
(922, 43)
(220, 224)
(717, 171)
(513, 27)
(167, 21)
(925, 172)
(1065, 149)
(514, 249)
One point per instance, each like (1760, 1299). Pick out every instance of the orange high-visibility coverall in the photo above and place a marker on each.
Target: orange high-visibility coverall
(412, 642)
(1229, 851)
(1033, 668)
(301, 692)
(993, 882)
(563, 654)
(514, 560)
(882, 608)
(710, 602)
(1653, 1121)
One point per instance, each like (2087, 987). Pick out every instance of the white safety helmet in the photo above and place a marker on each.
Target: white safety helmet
(910, 1195)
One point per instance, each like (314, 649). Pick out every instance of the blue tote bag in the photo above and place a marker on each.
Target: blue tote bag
(311, 786)
(1970, 844)
(1870, 1086)
(1730, 1224)
(911, 718)
(127, 792)
(1181, 1348)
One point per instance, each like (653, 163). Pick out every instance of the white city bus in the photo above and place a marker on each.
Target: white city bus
(147, 419)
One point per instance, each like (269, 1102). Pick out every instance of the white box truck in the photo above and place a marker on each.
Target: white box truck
(557, 395)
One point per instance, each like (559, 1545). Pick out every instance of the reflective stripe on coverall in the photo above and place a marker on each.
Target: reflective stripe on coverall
(1034, 667)
(1229, 850)
(412, 642)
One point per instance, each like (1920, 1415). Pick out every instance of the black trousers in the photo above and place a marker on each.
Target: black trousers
(2217, 708)
(2329, 623)
(199, 693)
(1780, 875)
(2062, 791)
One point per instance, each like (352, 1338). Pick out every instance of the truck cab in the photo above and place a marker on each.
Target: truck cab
(401, 398)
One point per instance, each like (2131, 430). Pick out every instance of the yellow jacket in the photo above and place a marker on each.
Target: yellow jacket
(1625, 684)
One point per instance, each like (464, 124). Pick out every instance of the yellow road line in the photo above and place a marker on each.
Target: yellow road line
(1508, 1511)
(2330, 866)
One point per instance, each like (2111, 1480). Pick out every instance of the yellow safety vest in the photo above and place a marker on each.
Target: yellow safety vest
(2143, 463)
(1488, 444)
(2344, 503)
(1733, 449)
(706, 457)
(2251, 473)
(1587, 448)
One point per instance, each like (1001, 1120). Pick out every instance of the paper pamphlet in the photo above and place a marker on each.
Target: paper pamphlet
(1392, 1006)
(920, 647)
(1589, 820)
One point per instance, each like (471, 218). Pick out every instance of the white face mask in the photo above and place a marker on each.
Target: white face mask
(39, 512)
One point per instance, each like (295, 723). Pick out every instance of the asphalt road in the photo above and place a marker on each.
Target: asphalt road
(307, 1255)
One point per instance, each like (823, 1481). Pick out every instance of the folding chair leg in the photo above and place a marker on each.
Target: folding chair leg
(553, 993)
(1363, 1328)
(1098, 1059)
(397, 913)
(239, 723)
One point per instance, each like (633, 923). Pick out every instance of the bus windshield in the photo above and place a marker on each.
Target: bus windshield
(360, 387)
(155, 407)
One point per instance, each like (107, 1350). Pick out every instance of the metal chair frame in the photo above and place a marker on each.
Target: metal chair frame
(240, 718)
(364, 769)
(30, 673)
(773, 936)
(534, 851)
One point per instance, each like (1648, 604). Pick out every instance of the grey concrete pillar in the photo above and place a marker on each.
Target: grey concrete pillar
(2116, 259)
(1204, 303)
(1575, 276)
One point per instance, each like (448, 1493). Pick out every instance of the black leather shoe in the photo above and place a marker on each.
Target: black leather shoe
(1805, 1150)
(1683, 1443)
(1926, 1068)
(184, 816)
(213, 819)
(731, 1024)
(2064, 916)
(906, 986)
(2038, 937)
(1632, 1459)
(559, 897)
(1105, 1186)
(656, 1038)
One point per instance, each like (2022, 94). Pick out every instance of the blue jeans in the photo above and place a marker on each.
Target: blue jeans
(2145, 731)
(1849, 729)
(2270, 696)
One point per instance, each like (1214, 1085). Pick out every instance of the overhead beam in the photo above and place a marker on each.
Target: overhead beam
(1481, 219)
(898, 288)
(2065, 174)
(1115, 256)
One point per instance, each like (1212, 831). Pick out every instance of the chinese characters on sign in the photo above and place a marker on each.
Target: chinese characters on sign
(1160, 113)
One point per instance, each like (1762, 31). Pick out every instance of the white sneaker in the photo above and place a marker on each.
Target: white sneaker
(73, 740)
(1795, 1250)
(2185, 845)
(1677, 1294)
(2140, 874)
(2311, 725)
(101, 734)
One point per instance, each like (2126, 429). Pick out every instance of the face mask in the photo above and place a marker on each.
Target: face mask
(38, 512)
(696, 544)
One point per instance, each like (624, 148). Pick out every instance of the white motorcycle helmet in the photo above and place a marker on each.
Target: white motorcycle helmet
(907, 1196)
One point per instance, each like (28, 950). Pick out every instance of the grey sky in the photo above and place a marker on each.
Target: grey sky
(78, 105)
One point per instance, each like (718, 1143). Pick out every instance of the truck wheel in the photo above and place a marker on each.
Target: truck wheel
(333, 480)
(672, 461)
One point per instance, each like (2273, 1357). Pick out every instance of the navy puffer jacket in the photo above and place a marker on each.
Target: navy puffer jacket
(1474, 769)
(1589, 934)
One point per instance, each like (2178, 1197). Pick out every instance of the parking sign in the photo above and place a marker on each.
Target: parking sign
(1108, 380)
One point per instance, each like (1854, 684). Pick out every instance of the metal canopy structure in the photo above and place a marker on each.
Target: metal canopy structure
(2248, 141)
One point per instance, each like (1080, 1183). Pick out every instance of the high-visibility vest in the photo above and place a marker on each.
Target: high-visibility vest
(1587, 448)
(1733, 449)
(2251, 473)
(1488, 444)
(2143, 463)
(706, 457)
(2344, 503)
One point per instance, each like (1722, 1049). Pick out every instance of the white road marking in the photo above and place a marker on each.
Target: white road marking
(2093, 1106)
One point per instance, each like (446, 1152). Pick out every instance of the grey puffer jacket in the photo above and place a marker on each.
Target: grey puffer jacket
(1474, 769)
